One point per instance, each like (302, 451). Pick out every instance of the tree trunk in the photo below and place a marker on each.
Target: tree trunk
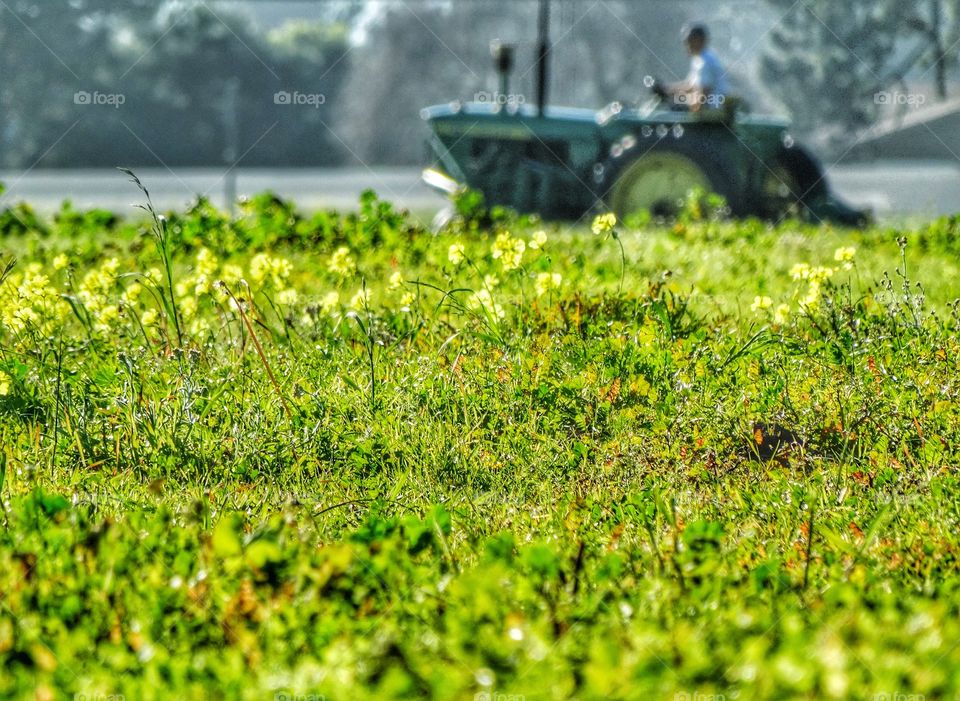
(939, 52)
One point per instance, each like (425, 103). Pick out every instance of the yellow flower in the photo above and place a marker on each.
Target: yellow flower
(199, 327)
(509, 250)
(800, 271)
(396, 281)
(821, 273)
(231, 274)
(132, 294)
(407, 299)
(207, 263)
(782, 314)
(457, 253)
(361, 300)
(330, 301)
(761, 303)
(604, 223)
(202, 285)
(288, 296)
(263, 268)
(490, 281)
(259, 267)
(845, 255)
(150, 317)
(342, 263)
(61, 262)
(546, 282)
(538, 240)
(188, 307)
(105, 319)
(812, 297)
(4, 384)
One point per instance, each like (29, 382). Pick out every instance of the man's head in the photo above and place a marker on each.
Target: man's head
(695, 36)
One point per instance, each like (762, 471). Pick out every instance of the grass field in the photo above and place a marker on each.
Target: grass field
(338, 457)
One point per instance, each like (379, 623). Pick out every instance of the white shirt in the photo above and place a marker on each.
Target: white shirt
(706, 71)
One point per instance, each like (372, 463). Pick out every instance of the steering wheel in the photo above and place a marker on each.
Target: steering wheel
(656, 87)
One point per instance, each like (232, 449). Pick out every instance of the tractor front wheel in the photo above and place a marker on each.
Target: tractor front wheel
(658, 182)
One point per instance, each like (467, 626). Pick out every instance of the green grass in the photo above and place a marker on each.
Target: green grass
(664, 493)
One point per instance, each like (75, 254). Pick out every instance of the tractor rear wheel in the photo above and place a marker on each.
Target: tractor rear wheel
(658, 182)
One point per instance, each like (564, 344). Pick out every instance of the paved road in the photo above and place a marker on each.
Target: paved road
(311, 189)
(892, 190)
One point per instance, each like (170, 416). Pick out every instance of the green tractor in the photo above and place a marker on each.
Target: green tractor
(563, 163)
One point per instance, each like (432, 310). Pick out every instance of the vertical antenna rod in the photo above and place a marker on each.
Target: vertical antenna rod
(543, 55)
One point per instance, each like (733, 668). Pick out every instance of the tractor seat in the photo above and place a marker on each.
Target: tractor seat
(724, 114)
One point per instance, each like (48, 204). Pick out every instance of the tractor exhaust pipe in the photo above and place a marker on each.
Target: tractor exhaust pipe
(503, 61)
(543, 55)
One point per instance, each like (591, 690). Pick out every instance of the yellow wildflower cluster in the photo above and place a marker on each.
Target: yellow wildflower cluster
(538, 240)
(814, 277)
(342, 262)
(266, 269)
(97, 293)
(508, 250)
(456, 253)
(361, 300)
(604, 223)
(545, 282)
(29, 301)
(4, 384)
(818, 274)
(265, 272)
(330, 302)
(845, 255)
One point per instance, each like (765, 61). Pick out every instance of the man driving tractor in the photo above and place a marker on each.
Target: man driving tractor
(706, 84)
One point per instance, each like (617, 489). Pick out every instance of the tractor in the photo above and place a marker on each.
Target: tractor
(563, 163)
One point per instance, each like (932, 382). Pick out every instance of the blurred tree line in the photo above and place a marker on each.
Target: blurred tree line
(136, 82)
(834, 65)
(200, 83)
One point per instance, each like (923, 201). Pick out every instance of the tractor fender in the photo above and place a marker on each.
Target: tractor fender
(704, 149)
